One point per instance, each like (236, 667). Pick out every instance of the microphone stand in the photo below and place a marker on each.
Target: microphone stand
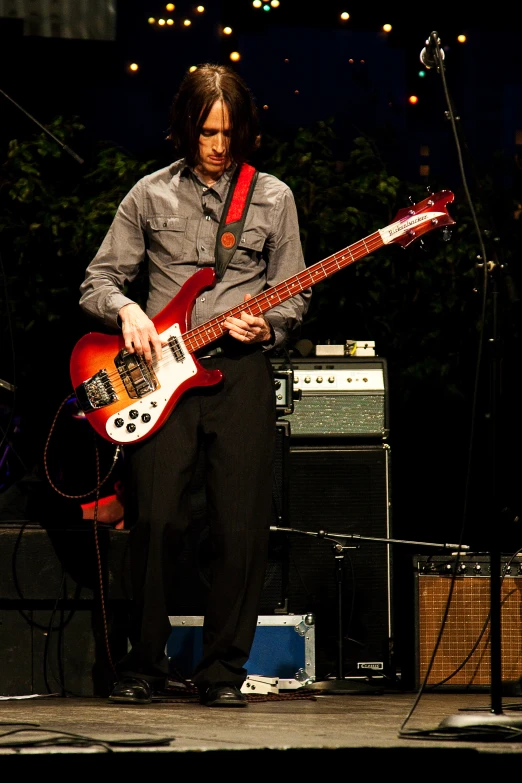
(341, 685)
(52, 136)
(433, 57)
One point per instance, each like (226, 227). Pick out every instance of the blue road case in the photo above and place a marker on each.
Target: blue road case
(283, 651)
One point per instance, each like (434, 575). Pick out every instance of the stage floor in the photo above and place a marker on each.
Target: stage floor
(364, 728)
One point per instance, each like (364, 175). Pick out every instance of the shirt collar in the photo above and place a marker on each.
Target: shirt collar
(220, 188)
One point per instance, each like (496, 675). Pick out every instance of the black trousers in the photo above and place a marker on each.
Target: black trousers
(234, 422)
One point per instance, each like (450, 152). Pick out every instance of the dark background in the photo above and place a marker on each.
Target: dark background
(297, 62)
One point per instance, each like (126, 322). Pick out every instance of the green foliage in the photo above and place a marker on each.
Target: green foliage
(54, 213)
(418, 303)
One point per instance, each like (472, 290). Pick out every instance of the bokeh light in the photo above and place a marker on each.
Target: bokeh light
(235, 56)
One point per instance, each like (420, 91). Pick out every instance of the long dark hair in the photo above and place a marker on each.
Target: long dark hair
(198, 92)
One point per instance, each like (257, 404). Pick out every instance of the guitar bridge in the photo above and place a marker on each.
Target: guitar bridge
(138, 377)
(96, 392)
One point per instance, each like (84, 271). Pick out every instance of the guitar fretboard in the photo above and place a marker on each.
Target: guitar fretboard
(213, 329)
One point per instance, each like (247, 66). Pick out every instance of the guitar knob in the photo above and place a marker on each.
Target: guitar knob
(133, 414)
(145, 417)
(118, 422)
(131, 427)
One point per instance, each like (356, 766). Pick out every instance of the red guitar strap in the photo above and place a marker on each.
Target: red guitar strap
(234, 214)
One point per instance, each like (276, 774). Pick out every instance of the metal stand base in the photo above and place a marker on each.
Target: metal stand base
(349, 686)
(478, 719)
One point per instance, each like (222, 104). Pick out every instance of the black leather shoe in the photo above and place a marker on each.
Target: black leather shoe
(131, 690)
(223, 696)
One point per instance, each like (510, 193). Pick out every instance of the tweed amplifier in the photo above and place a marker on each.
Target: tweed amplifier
(463, 658)
(339, 396)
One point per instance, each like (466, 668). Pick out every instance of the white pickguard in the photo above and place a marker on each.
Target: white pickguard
(170, 375)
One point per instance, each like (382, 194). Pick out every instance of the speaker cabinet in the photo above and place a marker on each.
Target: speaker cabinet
(341, 491)
(463, 658)
(55, 635)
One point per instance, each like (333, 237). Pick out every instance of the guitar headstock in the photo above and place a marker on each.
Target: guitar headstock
(412, 222)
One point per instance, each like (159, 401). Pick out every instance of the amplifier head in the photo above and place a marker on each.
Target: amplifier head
(284, 391)
(339, 396)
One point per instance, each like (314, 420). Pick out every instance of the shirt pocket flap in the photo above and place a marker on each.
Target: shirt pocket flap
(252, 240)
(168, 223)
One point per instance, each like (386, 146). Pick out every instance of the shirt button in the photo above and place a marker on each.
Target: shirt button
(202, 247)
(202, 299)
(165, 225)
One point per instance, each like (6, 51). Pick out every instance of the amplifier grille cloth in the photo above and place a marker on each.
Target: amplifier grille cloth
(341, 414)
(468, 614)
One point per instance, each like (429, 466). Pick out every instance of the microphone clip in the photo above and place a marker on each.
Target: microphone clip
(432, 55)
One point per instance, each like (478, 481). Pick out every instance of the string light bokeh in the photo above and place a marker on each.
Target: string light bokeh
(303, 62)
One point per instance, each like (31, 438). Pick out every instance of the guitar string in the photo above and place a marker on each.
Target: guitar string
(212, 330)
(192, 339)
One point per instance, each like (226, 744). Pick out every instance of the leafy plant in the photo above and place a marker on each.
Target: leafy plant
(423, 305)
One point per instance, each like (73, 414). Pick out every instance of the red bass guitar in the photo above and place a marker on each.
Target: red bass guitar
(126, 401)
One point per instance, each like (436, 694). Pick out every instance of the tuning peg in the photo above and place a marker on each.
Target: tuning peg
(446, 233)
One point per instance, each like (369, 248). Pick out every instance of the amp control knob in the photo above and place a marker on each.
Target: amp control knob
(319, 379)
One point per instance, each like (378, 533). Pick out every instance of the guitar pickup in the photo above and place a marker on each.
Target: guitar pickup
(96, 392)
(138, 377)
(177, 350)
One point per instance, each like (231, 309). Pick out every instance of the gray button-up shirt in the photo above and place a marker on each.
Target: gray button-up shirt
(170, 219)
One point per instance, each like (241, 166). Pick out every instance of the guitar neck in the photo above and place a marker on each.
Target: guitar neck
(212, 330)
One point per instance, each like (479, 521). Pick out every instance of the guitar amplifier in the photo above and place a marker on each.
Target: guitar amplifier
(463, 658)
(339, 396)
